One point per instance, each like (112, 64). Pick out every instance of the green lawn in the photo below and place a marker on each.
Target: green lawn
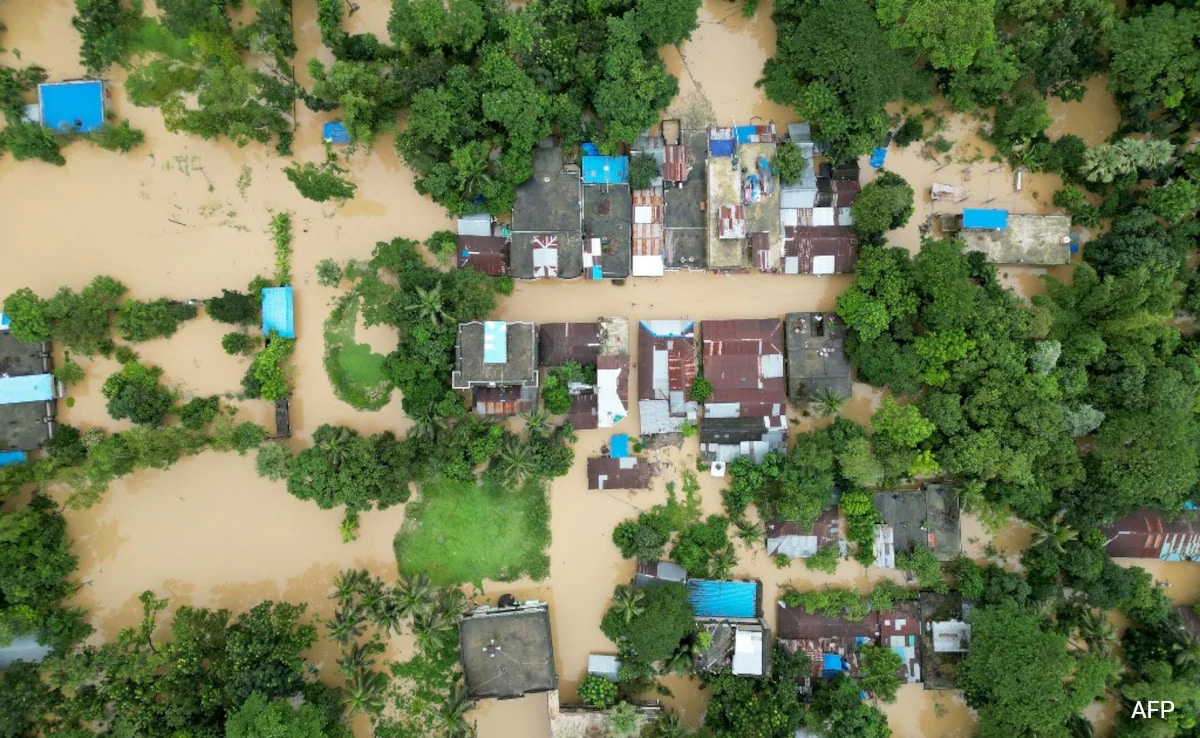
(354, 370)
(461, 533)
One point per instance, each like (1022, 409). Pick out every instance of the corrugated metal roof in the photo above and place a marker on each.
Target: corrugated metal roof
(485, 254)
(720, 599)
(559, 343)
(629, 472)
(805, 243)
(31, 388)
(675, 164)
(732, 221)
(1144, 534)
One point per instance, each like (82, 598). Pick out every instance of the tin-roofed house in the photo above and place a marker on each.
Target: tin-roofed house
(945, 638)
(602, 349)
(656, 572)
(1005, 238)
(1146, 534)
(790, 539)
(684, 220)
(507, 652)
(27, 396)
(547, 219)
(818, 233)
(618, 470)
(648, 259)
(731, 612)
(479, 249)
(667, 366)
(816, 356)
(929, 517)
(746, 415)
(497, 362)
(75, 106)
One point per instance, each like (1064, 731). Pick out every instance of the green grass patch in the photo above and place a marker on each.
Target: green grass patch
(151, 38)
(354, 370)
(461, 533)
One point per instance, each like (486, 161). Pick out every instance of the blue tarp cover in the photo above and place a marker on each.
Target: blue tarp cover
(993, 220)
(597, 272)
(589, 149)
(746, 134)
(75, 106)
(713, 599)
(605, 169)
(278, 314)
(3, 320)
(831, 664)
(8, 458)
(877, 157)
(721, 146)
(32, 388)
(495, 342)
(335, 133)
(620, 446)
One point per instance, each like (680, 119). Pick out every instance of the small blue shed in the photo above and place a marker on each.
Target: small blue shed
(605, 170)
(278, 312)
(985, 220)
(31, 388)
(72, 107)
(718, 599)
(831, 665)
(620, 446)
(334, 132)
(8, 458)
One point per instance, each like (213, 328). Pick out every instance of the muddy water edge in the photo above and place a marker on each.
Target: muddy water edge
(171, 220)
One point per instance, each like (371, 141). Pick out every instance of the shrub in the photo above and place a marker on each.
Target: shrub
(911, 131)
(281, 233)
(145, 321)
(504, 285)
(239, 343)
(556, 397)
(701, 389)
(597, 691)
(643, 168)
(320, 183)
(70, 372)
(789, 162)
(66, 446)
(248, 436)
(124, 354)
(199, 412)
(781, 560)
(442, 243)
(274, 461)
(643, 537)
(622, 721)
(235, 308)
(825, 559)
(268, 368)
(134, 393)
(32, 141)
(121, 137)
(329, 273)
(688, 429)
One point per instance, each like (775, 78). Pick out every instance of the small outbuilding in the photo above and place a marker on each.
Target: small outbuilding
(278, 311)
(76, 106)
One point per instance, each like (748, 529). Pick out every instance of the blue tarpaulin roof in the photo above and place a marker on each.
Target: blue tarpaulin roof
(746, 134)
(495, 342)
(992, 220)
(605, 169)
(589, 149)
(878, 156)
(713, 599)
(721, 146)
(33, 388)
(8, 458)
(831, 665)
(74, 106)
(335, 132)
(620, 446)
(278, 313)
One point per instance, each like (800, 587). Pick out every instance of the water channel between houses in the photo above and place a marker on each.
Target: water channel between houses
(170, 220)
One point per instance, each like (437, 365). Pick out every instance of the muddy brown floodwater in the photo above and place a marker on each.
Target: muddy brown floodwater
(171, 220)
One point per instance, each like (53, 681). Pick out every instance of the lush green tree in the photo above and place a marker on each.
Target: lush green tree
(14, 83)
(143, 321)
(921, 562)
(597, 691)
(27, 315)
(1135, 240)
(644, 537)
(105, 27)
(757, 708)
(1020, 119)
(198, 412)
(32, 141)
(1176, 201)
(825, 559)
(368, 98)
(135, 393)
(699, 544)
(634, 84)
(1058, 41)
(901, 424)
(320, 183)
(259, 717)
(837, 709)
(342, 468)
(881, 669)
(886, 203)
(1020, 676)
(789, 162)
(666, 22)
(267, 370)
(236, 308)
(1155, 64)
(239, 343)
(949, 32)
(66, 446)
(834, 66)
(119, 137)
(654, 634)
(274, 461)
(184, 17)
(643, 168)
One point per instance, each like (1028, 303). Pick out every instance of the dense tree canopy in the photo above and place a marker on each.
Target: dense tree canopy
(886, 203)
(651, 629)
(344, 468)
(948, 32)
(1155, 65)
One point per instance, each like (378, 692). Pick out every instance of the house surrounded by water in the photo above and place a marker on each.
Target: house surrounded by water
(787, 538)
(547, 219)
(667, 366)
(507, 652)
(601, 348)
(928, 517)
(814, 211)
(496, 361)
(1010, 238)
(27, 396)
(684, 165)
(816, 356)
(1146, 534)
(731, 613)
(479, 248)
(743, 199)
(746, 415)
(945, 638)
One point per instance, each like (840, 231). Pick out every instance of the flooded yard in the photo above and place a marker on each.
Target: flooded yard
(183, 218)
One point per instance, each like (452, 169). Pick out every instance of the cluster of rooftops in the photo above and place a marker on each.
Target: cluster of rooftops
(717, 204)
(27, 396)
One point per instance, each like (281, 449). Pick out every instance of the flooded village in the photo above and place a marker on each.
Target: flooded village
(717, 270)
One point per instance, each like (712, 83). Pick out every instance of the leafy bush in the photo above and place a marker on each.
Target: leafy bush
(268, 370)
(247, 437)
(274, 461)
(597, 691)
(441, 243)
(923, 564)
(199, 412)
(911, 131)
(622, 721)
(235, 308)
(699, 544)
(789, 162)
(121, 137)
(329, 273)
(701, 389)
(556, 397)
(643, 168)
(644, 537)
(825, 559)
(281, 233)
(70, 372)
(239, 343)
(32, 141)
(135, 393)
(145, 321)
(320, 183)
(66, 446)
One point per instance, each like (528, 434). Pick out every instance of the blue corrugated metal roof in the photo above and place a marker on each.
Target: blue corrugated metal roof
(605, 169)
(992, 220)
(32, 388)
(278, 312)
(715, 599)
(620, 446)
(721, 146)
(72, 106)
(746, 134)
(8, 458)
(335, 132)
(495, 342)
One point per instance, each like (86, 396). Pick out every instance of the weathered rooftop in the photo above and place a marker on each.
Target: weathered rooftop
(503, 401)
(507, 653)
(556, 255)
(667, 364)
(939, 667)
(928, 518)
(683, 218)
(727, 189)
(1145, 534)
(607, 216)
(1028, 239)
(485, 254)
(495, 354)
(559, 343)
(816, 635)
(546, 219)
(648, 233)
(649, 572)
(628, 472)
(819, 250)
(24, 426)
(746, 413)
(789, 539)
(816, 355)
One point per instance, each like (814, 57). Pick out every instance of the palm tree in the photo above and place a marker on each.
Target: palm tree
(1095, 630)
(425, 428)
(747, 532)
(453, 714)
(429, 305)
(413, 594)
(537, 423)
(365, 692)
(347, 585)
(1185, 648)
(450, 601)
(346, 625)
(724, 561)
(430, 628)
(515, 461)
(1053, 532)
(336, 445)
(681, 662)
(391, 615)
(828, 402)
(629, 602)
(373, 597)
(668, 726)
(358, 657)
